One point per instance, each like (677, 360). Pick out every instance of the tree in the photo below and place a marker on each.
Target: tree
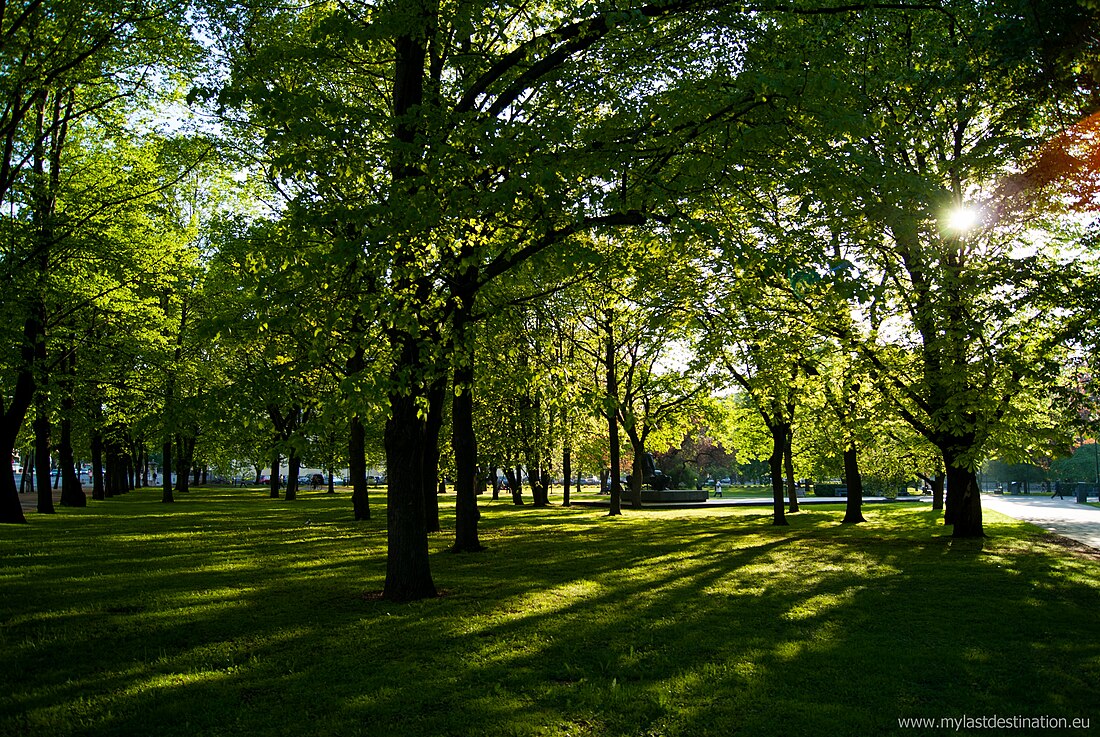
(480, 163)
(66, 64)
(902, 120)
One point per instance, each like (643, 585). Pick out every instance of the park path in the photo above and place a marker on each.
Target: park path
(1066, 517)
(30, 501)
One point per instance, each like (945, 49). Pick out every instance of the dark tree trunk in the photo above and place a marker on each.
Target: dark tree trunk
(111, 468)
(496, 482)
(775, 463)
(566, 474)
(357, 469)
(788, 468)
(185, 448)
(853, 479)
(515, 485)
(273, 482)
(99, 489)
(540, 491)
(42, 458)
(464, 443)
(437, 394)
(293, 467)
(109, 471)
(612, 411)
(72, 493)
(637, 474)
(408, 570)
(937, 491)
(166, 473)
(26, 480)
(131, 469)
(964, 502)
(11, 509)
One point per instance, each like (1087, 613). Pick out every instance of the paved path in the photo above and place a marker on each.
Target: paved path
(742, 501)
(1080, 522)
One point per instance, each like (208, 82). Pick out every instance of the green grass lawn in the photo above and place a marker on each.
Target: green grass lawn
(228, 613)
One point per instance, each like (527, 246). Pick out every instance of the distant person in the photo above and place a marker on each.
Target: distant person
(1057, 490)
(718, 488)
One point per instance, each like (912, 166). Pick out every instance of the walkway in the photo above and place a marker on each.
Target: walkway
(735, 501)
(1080, 522)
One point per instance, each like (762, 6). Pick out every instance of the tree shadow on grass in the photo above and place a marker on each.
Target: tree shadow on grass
(244, 621)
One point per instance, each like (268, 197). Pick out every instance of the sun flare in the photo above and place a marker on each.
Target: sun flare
(962, 219)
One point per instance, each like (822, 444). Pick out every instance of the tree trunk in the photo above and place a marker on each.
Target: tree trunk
(166, 473)
(42, 457)
(110, 465)
(496, 482)
(515, 485)
(788, 467)
(26, 479)
(637, 468)
(540, 491)
(937, 490)
(11, 509)
(432, 425)
(72, 493)
(273, 482)
(964, 502)
(408, 570)
(775, 463)
(357, 469)
(464, 443)
(566, 474)
(612, 400)
(293, 467)
(99, 490)
(853, 510)
(185, 448)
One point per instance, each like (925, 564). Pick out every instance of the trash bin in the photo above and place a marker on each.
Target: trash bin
(1082, 492)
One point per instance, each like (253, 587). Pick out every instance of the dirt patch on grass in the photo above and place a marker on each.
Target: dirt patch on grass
(1077, 548)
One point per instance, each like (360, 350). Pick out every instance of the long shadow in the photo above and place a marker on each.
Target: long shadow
(568, 624)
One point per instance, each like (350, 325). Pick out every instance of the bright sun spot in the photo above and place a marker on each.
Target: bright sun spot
(962, 219)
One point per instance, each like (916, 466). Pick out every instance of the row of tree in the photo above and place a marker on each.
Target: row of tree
(459, 233)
